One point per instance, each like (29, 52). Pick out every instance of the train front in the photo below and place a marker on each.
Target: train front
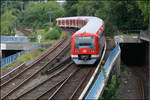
(85, 49)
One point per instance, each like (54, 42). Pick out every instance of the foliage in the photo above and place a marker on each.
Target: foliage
(64, 34)
(117, 15)
(41, 49)
(7, 23)
(36, 14)
(52, 34)
(144, 7)
(32, 38)
(70, 7)
(111, 91)
(8, 66)
(22, 58)
(122, 67)
(27, 56)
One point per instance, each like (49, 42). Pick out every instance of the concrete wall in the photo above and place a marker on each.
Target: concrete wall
(17, 46)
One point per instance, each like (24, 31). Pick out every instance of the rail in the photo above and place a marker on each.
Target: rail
(97, 89)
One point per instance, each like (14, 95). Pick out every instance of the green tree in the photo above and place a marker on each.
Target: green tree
(36, 14)
(70, 7)
(52, 34)
(7, 23)
(144, 6)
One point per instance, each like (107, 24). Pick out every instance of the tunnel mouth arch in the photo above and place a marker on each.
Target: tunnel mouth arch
(134, 54)
(6, 53)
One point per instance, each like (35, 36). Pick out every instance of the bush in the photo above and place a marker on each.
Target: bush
(63, 34)
(27, 56)
(52, 34)
(32, 38)
(41, 49)
(111, 91)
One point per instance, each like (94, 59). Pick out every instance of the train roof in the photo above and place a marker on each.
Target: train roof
(92, 26)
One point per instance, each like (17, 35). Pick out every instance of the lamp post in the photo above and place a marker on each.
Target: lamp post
(6, 16)
(50, 16)
(15, 25)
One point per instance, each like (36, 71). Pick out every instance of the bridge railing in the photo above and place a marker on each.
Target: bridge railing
(8, 39)
(97, 88)
(13, 58)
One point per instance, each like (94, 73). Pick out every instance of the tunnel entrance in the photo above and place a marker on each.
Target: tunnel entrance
(134, 53)
(6, 53)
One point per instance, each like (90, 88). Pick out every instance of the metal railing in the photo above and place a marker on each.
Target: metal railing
(13, 58)
(8, 39)
(97, 88)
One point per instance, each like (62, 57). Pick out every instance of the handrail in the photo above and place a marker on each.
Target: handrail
(10, 39)
(92, 78)
(97, 88)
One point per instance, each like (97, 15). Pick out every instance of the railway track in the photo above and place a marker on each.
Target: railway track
(13, 84)
(5, 81)
(139, 83)
(61, 77)
(47, 85)
(140, 87)
(72, 84)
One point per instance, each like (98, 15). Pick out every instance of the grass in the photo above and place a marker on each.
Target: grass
(9, 65)
(129, 34)
(30, 55)
(122, 67)
(23, 58)
(146, 36)
(111, 91)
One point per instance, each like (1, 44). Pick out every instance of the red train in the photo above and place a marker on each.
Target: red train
(88, 42)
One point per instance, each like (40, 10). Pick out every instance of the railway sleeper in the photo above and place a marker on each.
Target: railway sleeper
(57, 65)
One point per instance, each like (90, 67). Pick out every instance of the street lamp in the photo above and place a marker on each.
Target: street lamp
(50, 16)
(15, 25)
(6, 17)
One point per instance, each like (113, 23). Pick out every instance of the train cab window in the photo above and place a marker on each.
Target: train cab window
(84, 42)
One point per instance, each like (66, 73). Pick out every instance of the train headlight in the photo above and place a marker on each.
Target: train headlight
(92, 50)
(76, 50)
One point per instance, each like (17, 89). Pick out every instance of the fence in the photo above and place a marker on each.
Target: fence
(7, 39)
(13, 58)
(98, 86)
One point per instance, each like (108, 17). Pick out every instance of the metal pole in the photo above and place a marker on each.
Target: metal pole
(15, 25)
(6, 17)
(22, 6)
(50, 16)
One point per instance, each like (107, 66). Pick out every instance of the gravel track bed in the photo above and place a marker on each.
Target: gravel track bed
(49, 84)
(36, 81)
(70, 86)
(30, 72)
(47, 94)
(15, 72)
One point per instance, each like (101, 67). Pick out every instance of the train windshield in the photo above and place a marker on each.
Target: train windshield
(84, 42)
